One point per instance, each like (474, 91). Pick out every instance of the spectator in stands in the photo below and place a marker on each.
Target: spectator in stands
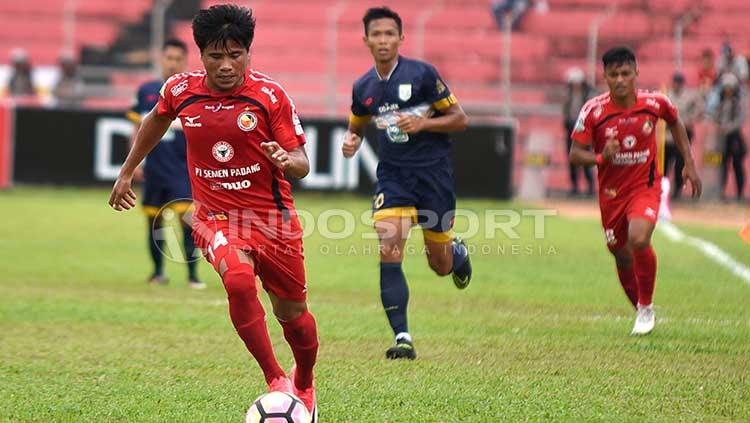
(69, 89)
(578, 92)
(729, 120)
(729, 62)
(688, 105)
(707, 77)
(21, 84)
(707, 69)
(516, 9)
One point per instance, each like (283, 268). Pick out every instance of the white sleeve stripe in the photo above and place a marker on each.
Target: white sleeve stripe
(295, 120)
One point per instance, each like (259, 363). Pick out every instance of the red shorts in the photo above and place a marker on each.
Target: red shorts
(619, 211)
(279, 261)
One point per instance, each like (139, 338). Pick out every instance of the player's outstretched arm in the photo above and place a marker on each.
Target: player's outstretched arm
(679, 134)
(294, 163)
(152, 129)
(453, 119)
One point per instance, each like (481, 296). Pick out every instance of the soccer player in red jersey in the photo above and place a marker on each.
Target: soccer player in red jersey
(620, 126)
(243, 137)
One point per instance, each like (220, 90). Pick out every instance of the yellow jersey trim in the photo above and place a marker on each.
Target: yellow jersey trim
(438, 237)
(179, 207)
(151, 211)
(133, 117)
(359, 120)
(445, 103)
(396, 212)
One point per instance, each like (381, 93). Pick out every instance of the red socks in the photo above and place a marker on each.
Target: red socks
(644, 264)
(249, 318)
(302, 335)
(629, 283)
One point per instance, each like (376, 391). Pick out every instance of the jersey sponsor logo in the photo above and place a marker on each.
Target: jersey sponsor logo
(653, 103)
(231, 186)
(179, 88)
(218, 107)
(227, 173)
(222, 151)
(628, 142)
(190, 121)
(216, 215)
(247, 121)
(648, 127)
(404, 92)
(388, 107)
(629, 158)
(271, 95)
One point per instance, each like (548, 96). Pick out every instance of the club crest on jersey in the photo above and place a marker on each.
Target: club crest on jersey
(404, 92)
(628, 142)
(648, 127)
(222, 151)
(247, 121)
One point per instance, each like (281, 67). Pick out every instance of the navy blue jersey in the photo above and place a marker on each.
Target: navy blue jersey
(413, 87)
(166, 164)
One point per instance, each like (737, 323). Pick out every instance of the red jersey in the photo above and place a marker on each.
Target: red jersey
(229, 173)
(634, 167)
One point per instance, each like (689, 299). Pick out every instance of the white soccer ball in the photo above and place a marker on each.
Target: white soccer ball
(277, 407)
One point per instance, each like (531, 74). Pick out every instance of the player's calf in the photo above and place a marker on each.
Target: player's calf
(441, 264)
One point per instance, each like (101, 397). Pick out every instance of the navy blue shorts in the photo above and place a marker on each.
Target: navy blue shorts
(156, 196)
(424, 193)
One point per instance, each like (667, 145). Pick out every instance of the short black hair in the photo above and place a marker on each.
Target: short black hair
(618, 56)
(174, 42)
(381, 13)
(223, 23)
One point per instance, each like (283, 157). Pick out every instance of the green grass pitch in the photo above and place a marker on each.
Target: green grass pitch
(542, 334)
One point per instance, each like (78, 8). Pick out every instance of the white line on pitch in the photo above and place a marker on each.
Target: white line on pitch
(708, 249)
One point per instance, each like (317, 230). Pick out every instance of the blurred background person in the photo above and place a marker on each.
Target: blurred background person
(729, 119)
(166, 184)
(707, 69)
(730, 62)
(578, 91)
(688, 105)
(21, 84)
(69, 88)
(516, 9)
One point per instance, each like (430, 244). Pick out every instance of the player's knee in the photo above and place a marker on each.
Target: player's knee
(239, 280)
(639, 241)
(286, 311)
(390, 253)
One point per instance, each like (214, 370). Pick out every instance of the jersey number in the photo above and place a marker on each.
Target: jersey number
(219, 240)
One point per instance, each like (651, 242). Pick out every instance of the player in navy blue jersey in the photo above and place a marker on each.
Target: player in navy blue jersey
(164, 172)
(414, 111)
